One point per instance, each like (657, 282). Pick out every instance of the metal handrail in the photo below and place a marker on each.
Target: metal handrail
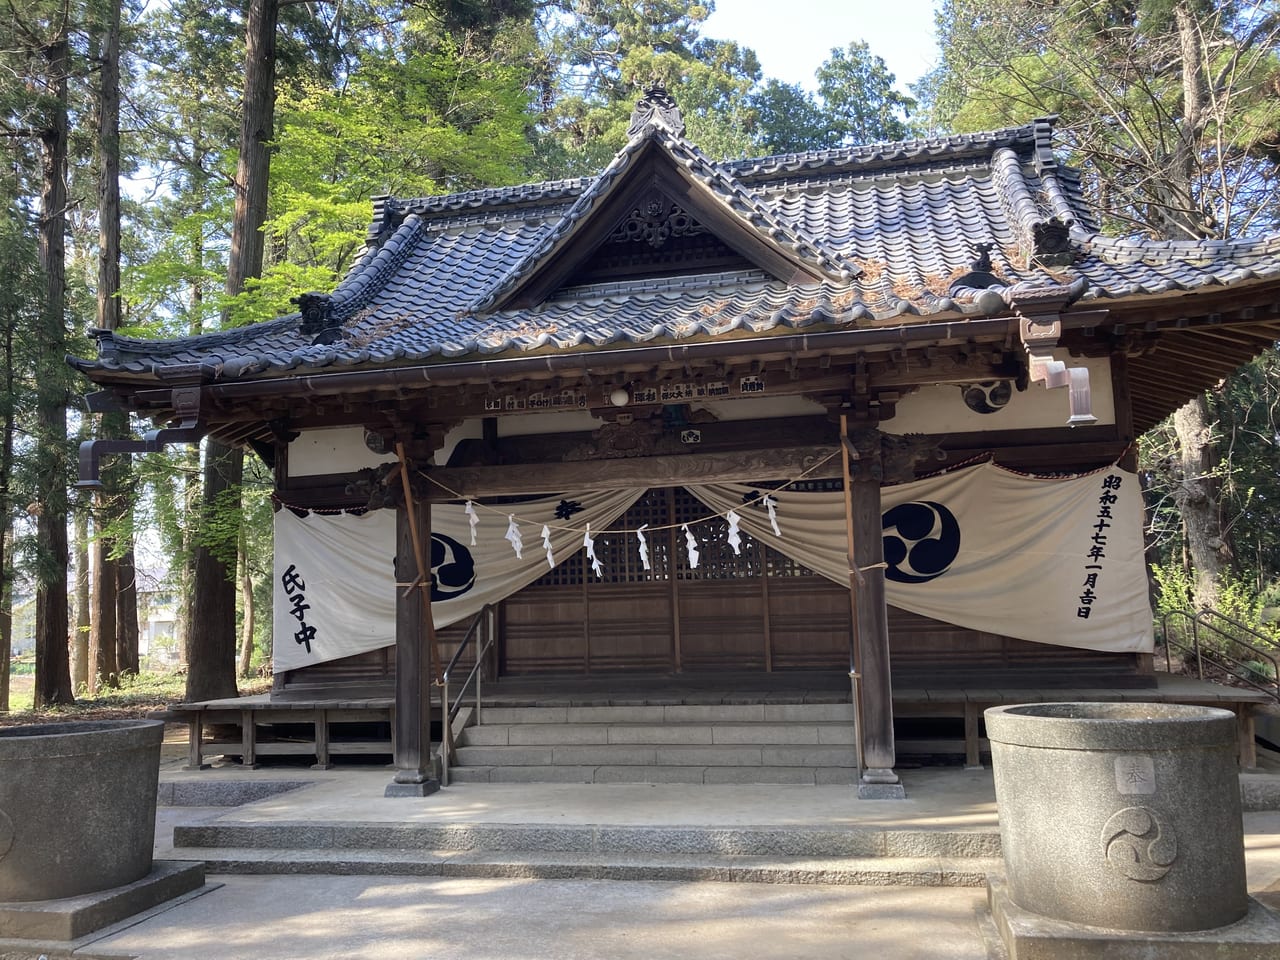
(1224, 659)
(449, 711)
(1169, 640)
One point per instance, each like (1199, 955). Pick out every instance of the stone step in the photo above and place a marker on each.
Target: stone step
(632, 754)
(647, 773)
(675, 713)
(603, 839)
(542, 734)
(864, 871)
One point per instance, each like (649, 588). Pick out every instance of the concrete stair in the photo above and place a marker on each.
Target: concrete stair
(782, 743)
(853, 856)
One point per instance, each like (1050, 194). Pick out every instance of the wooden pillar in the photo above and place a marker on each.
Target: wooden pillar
(412, 725)
(878, 781)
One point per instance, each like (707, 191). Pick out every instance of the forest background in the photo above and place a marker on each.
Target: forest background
(250, 136)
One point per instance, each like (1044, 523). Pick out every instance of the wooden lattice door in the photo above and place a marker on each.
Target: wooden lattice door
(754, 610)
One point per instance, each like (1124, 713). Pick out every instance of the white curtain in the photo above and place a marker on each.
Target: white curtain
(1051, 560)
(334, 574)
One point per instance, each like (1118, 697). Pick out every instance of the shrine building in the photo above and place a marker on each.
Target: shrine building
(633, 428)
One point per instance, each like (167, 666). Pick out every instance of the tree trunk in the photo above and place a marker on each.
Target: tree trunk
(256, 125)
(6, 524)
(108, 149)
(6, 631)
(1190, 132)
(53, 674)
(1197, 497)
(187, 570)
(211, 667)
(117, 588)
(246, 606)
(127, 612)
(211, 671)
(80, 643)
(103, 669)
(191, 458)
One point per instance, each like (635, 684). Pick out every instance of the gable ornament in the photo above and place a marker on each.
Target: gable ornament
(656, 107)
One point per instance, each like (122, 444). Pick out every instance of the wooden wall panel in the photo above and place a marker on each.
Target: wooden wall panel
(375, 669)
(544, 631)
(629, 627)
(809, 623)
(722, 629)
(722, 625)
(926, 652)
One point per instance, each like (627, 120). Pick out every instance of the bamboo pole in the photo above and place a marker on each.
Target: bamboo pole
(855, 582)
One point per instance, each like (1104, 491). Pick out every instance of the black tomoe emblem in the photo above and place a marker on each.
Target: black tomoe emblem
(921, 540)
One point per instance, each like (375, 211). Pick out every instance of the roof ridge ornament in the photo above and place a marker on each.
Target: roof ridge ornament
(656, 108)
(980, 276)
(316, 318)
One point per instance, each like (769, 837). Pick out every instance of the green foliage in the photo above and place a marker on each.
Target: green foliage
(1245, 431)
(1246, 410)
(1238, 601)
(1173, 588)
(433, 114)
(1241, 602)
(602, 55)
(137, 696)
(857, 90)
(789, 119)
(219, 526)
(1260, 671)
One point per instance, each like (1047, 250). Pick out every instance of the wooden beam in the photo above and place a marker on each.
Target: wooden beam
(1122, 401)
(453, 483)
(1055, 456)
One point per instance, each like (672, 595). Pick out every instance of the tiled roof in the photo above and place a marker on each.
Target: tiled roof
(893, 228)
(745, 205)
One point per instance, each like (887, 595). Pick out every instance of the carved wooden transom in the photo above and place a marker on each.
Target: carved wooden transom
(657, 238)
(654, 220)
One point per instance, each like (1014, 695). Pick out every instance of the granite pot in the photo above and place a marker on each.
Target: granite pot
(77, 806)
(1120, 815)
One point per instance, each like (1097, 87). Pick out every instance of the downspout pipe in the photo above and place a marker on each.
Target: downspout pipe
(91, 451)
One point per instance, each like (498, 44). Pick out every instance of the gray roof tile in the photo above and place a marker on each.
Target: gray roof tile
(890, 225)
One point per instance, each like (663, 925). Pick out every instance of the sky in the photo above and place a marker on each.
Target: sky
(793, 37)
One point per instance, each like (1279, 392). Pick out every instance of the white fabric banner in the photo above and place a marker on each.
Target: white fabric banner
(334, 574)
(1050, 560)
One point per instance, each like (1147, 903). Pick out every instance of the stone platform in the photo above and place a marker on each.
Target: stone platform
(1029, 936)
(74, 917)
